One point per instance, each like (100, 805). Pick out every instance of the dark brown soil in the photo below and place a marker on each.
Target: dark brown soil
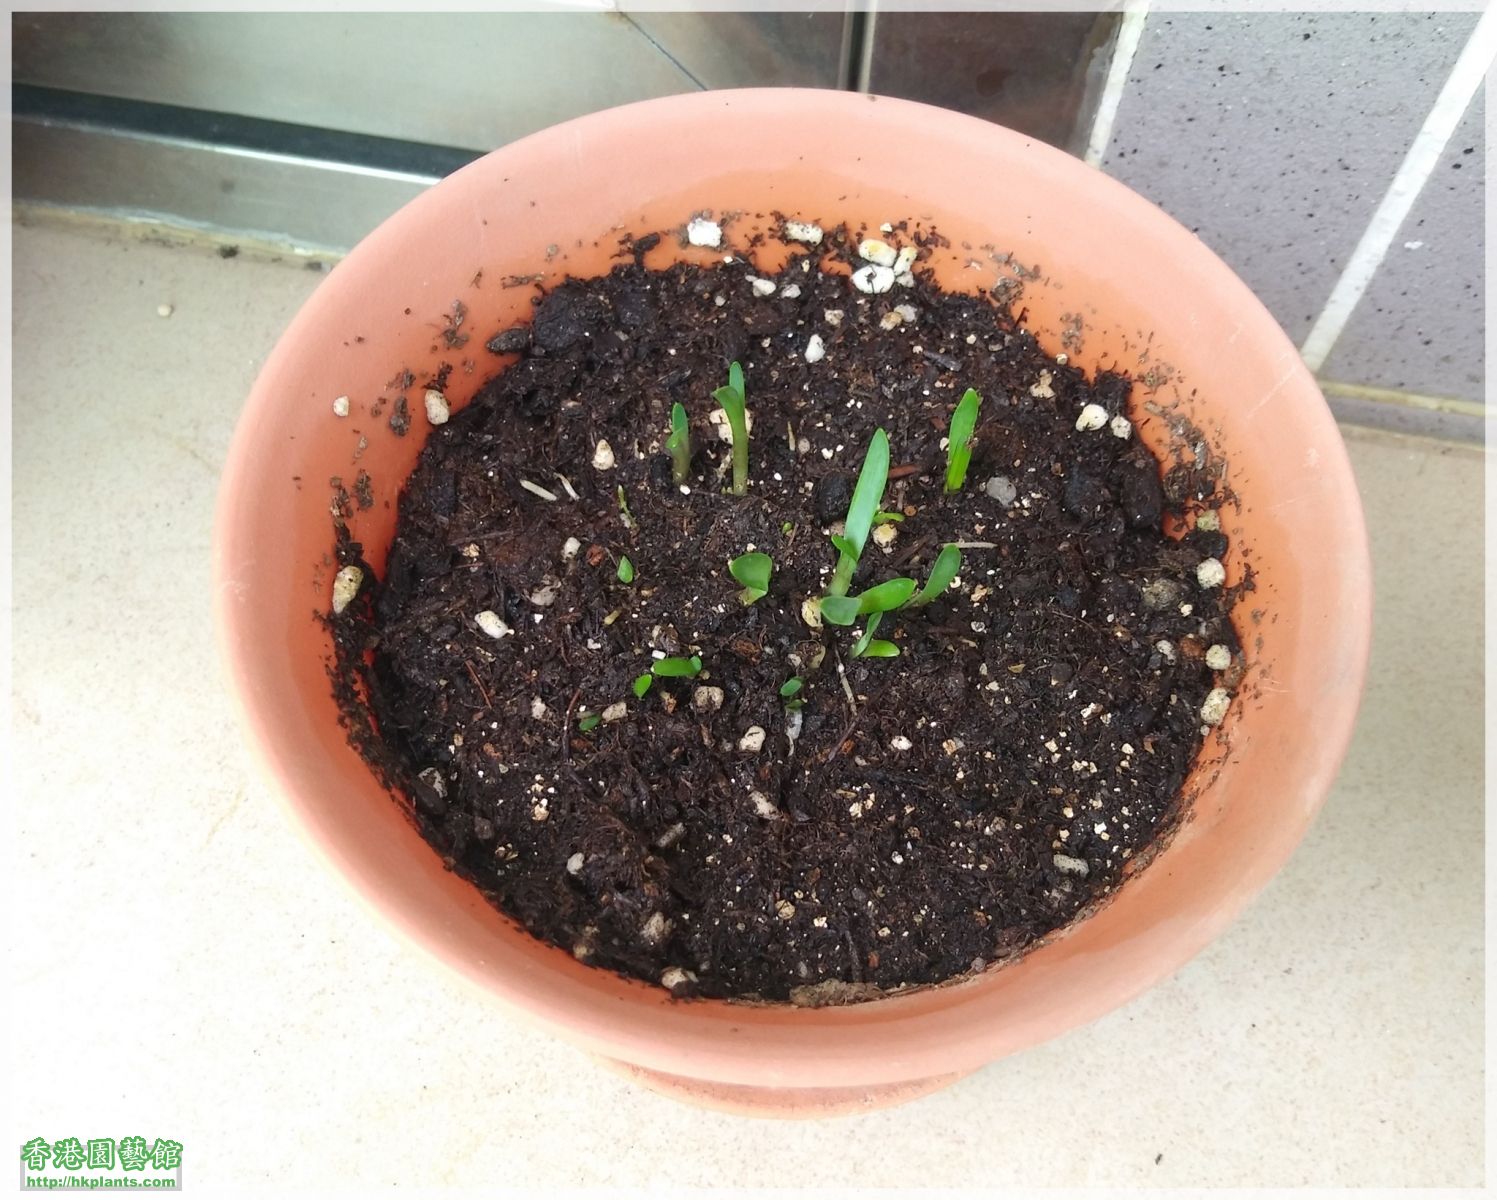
(901, 828)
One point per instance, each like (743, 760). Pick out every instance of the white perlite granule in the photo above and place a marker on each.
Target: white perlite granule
(1214, 707)
(702, 232)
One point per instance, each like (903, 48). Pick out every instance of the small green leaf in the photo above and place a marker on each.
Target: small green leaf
(626, 569)
(791, 685)
(794, 705)
(886, 596)
(642, 684)
(839, 610)
(880, 517)
(947, 564)
(959, 439)
(752, 570)
(845, 546)
(589, 722)
(870, 647)
(677, 668)
(787, 527)
(866, 640)
(679, 445)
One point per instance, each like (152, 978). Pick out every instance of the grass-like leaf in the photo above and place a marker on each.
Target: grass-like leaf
(959, 439)
(945, 569)
(866, 498)
(679, 445)
(677, 668)
(839, 610)
(881, 598)
(886, 596)
(753, 571)
(870, 647)
(735, 404)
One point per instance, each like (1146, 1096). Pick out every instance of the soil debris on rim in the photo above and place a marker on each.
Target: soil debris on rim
(628, 704)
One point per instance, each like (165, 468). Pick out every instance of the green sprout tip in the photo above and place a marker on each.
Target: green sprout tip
(735, 404)
(866, 497)
(959, 439)
(679, 445)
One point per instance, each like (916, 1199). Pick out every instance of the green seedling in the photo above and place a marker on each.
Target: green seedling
(679, 445)
(677, 668)
(872, 647)
(790, 690)
(642, 684)
(625, 515)
(752, 570)
(866, 497)
(880, 517)
(589, 721)
(626, 569)
(959, 440)
(947, 564)
(885, 597)
(735, 404)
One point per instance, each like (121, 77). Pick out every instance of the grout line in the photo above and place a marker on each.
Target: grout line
(1402, 399)
(1412, 174)
(863, 69)
(663, 52)
(1130, 30)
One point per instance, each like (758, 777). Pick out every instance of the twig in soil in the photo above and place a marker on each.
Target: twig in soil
(847, 732)
(852, 954)
(566, 731)
(487, 703)
(852, 702)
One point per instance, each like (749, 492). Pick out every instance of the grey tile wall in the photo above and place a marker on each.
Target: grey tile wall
(1421, 324)
(1274, 135)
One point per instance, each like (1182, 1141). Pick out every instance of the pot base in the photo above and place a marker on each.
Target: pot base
(789, 1103)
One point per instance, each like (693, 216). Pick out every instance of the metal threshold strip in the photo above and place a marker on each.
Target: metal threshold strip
(304, 189)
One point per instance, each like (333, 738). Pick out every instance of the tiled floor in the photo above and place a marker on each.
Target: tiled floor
(183, 968)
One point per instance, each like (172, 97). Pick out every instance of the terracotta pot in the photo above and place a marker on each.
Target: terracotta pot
(1150, 297)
